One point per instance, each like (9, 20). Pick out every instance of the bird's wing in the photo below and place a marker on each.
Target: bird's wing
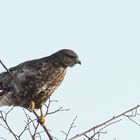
(5, 93)
(24, 74)
(9, 85)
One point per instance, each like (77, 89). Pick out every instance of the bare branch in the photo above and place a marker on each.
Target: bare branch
(104, 123)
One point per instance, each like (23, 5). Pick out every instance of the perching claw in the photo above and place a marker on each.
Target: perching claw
(32, 106)
(42, 118)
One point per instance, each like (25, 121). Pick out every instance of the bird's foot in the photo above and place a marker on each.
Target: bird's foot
(32, 106)
(42, 120)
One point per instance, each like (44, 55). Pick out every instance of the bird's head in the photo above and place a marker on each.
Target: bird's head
(66, 58)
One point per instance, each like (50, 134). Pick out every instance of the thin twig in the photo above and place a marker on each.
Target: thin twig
(2, 138)
(100, 130)
(70, 128)
(58, 110)
(4, 118)
(47, 106)
(27, 124)
(132, 120)
(6, 69)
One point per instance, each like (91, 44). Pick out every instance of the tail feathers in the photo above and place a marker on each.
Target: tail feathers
(5, 99)
(2, 92)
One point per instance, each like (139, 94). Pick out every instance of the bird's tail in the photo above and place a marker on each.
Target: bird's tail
(5, 99)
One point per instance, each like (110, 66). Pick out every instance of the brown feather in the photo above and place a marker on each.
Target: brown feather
(35, 80)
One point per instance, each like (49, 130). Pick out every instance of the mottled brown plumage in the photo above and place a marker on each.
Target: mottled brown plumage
(35, 80)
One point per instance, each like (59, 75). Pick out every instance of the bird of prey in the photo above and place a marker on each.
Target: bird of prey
(31, 83)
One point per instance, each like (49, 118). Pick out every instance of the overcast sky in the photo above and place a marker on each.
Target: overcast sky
(106, 36)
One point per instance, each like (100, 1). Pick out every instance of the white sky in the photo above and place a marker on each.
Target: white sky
(105, 34)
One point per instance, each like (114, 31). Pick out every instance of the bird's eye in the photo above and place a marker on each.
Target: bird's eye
(71, 56)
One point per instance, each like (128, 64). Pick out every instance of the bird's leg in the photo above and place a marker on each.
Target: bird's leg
(42, 118)
(32, 105)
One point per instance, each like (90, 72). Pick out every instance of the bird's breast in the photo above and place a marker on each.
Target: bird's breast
(50, 84)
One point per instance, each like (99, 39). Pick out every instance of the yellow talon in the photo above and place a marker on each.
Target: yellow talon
(42, 120)
(32, 106)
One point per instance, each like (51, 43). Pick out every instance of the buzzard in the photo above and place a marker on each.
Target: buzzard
(31, 83)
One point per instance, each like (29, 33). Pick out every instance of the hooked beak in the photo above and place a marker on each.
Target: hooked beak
(78, 61)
